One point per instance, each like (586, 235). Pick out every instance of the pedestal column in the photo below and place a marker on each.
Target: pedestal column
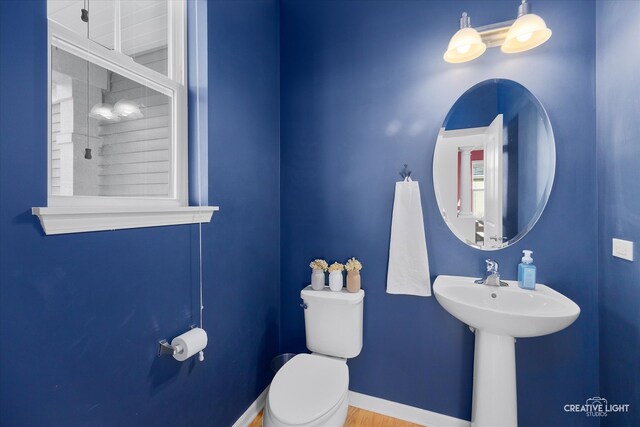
(494, 381)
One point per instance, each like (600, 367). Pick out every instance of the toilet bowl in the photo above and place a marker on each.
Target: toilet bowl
(309, 390)
(312, 390)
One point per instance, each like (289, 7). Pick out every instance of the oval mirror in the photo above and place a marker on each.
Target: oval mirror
(494, 164)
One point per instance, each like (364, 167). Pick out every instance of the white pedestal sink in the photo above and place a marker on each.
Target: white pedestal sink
(499, 315)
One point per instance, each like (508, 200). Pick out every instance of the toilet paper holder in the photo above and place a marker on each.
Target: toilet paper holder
(166, 349)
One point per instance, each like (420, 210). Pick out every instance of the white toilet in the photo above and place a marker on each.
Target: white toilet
(312, 389)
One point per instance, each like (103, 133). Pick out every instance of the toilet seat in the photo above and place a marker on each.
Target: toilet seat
(308, 388)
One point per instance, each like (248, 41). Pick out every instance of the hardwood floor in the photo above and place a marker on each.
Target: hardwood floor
(357, 417)
(257, 422)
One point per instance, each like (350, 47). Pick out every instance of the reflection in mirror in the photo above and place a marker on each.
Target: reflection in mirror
(145, 32)
(494, 164)
(101, 25)
(125, 125)
(144, 26)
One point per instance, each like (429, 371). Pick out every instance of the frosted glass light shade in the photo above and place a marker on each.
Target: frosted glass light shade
(527, 32)
(126, 108)
(464, 46)
(103, 112)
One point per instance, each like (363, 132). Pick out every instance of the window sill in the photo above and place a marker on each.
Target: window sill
(64, 220)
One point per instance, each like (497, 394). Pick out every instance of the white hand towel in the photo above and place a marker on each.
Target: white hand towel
(408, 263)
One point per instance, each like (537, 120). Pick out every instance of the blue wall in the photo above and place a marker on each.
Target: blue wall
(477, 107)
(364, 90)
(618, 97)
(80, 315)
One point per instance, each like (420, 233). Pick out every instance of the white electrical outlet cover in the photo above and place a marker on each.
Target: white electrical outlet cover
(623, 249)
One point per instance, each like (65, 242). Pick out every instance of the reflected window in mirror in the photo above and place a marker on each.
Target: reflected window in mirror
(477, 185)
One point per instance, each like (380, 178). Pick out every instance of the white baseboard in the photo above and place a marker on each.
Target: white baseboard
(404, 412)
(373, 404)
(252, 411)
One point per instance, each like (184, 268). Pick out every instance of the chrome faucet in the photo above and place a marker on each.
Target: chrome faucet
(493, 277)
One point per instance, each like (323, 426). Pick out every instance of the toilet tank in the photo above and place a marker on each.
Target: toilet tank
(333, 321)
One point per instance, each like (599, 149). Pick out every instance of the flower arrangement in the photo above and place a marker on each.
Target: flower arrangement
(353, 265)
(336, 266)
(319, 264)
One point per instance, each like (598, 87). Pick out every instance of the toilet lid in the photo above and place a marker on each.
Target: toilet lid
(307, 387)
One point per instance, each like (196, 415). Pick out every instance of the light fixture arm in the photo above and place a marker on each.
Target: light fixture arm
(493, 35)
(524, 8)
(465, 20)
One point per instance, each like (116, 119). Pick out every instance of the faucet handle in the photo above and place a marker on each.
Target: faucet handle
(492, 266)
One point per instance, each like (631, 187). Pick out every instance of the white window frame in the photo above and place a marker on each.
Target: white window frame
(68, 214)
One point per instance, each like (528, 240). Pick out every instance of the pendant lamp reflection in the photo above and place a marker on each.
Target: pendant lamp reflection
(123, 109)
(126, 108)
(103, 112)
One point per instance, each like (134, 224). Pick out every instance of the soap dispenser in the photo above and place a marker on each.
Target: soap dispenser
(527, 272)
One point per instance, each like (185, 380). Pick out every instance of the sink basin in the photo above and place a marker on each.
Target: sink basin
(498, 316)
(507, 310)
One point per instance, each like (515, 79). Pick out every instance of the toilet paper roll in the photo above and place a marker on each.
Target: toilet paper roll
(189, 343)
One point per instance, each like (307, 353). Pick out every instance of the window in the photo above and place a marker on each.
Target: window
(117, 116)
(477, 187)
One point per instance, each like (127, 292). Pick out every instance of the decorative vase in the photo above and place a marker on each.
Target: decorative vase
(335, 281)
(317, 280)
(353, 281)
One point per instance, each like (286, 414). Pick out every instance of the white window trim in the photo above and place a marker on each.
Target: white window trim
(64, 220)
(74, 214)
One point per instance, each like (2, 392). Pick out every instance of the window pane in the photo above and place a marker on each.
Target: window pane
(101, 25)
(145, 32)
(126, 125)
(102, 22)
(67, 13)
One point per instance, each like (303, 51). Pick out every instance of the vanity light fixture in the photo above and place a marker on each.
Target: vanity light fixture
(524, 33)
(527, 32)
(466, 44)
